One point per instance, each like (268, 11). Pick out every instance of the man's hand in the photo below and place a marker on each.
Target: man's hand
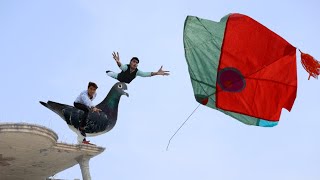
(162, 72)
(96, 109)
(116, 56)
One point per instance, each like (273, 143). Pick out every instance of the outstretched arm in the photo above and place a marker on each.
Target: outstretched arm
(148, 74)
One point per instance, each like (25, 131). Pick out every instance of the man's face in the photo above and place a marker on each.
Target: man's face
(134, 64)
(91, 91)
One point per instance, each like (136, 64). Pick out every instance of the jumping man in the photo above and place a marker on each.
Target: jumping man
(130, 71)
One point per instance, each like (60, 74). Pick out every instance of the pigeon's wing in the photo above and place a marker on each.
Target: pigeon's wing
(97, 122)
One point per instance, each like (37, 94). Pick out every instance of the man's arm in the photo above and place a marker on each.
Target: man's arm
(116, 57)
(148, 74)
(144, 74)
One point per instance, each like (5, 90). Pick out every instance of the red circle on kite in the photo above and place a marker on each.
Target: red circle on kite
(231, 80)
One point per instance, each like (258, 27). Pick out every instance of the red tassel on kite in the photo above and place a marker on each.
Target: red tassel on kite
(311, 65)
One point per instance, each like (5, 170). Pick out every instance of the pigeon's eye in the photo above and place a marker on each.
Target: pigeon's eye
(120, 86)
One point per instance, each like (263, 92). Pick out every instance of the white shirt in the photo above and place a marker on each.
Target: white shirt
(84, 98)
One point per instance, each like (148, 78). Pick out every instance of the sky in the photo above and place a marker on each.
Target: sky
(50, 50)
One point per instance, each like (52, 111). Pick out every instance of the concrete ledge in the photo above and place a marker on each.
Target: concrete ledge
(31, 152)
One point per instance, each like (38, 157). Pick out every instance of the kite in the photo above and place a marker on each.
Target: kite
(243, 69)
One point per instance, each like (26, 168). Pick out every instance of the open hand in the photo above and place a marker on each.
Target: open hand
(162, 72)
(116, 56)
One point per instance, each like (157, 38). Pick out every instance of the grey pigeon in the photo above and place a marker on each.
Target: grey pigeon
(97, 122)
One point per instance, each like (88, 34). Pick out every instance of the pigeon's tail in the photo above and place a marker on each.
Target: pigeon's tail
(55, 107)
(43, 103)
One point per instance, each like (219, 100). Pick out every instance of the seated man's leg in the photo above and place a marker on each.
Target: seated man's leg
(85, 115)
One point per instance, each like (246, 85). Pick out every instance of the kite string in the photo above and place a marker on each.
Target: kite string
(182, 125)
(191, 113)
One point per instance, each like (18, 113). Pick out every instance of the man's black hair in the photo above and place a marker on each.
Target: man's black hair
(93, 85)
(134, 58)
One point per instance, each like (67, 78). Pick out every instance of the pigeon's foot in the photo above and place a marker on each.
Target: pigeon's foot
(87, 142)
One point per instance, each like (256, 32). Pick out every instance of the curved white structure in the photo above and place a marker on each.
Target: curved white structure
(30, 152)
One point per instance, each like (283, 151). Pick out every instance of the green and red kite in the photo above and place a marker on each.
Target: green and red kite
(243, 69)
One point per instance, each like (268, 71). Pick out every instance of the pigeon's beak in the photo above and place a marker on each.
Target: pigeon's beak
(124, 90)
(125, 93)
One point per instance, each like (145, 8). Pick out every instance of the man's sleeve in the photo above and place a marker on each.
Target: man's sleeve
(86, 100)
(123, 67)
(143, 74)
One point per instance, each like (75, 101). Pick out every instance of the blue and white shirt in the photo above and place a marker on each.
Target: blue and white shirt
(84, 98)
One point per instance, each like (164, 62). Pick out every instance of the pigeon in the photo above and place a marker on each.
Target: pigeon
(97, 123)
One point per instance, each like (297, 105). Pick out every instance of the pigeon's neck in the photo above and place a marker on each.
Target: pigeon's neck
(110, 104)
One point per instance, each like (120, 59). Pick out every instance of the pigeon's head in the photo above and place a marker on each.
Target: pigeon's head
(120, 88)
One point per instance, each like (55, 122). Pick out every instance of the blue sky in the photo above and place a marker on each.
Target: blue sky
(49, 50)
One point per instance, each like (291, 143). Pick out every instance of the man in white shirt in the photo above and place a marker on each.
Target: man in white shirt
(84, 102)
